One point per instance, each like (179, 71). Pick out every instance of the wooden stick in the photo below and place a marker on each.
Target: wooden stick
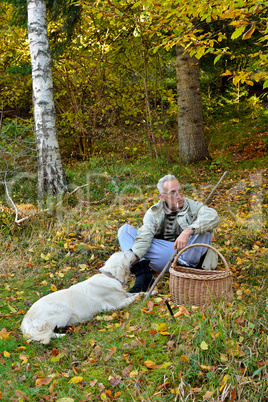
(175, 252)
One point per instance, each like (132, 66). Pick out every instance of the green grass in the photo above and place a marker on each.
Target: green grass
(217, 353)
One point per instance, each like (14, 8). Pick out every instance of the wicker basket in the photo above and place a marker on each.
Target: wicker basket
(199, 287)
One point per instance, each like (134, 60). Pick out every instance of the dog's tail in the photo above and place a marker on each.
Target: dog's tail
(37, 331)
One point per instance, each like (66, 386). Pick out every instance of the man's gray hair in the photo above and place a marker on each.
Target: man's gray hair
(161, 182)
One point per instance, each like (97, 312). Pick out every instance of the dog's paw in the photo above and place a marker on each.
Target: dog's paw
(56, 335)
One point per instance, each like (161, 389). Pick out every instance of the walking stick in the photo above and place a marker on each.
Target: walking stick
(175, 252)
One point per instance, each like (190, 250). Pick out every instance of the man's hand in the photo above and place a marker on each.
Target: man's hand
(183, 238)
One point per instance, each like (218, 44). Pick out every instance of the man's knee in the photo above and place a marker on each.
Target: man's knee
(123, 230)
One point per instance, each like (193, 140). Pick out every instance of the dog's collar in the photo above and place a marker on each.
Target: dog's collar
(111, 276)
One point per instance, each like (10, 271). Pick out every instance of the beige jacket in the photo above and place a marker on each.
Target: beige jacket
(154, 223)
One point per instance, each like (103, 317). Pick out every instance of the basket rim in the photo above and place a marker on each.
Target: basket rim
(174, 264)
(215, 275)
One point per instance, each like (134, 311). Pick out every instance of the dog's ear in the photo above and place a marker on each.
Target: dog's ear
(118, 266)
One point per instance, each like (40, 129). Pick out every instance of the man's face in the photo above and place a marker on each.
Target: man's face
(172, 195)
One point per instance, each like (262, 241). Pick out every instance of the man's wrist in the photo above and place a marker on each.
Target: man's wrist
(192, 230)
(135, 257)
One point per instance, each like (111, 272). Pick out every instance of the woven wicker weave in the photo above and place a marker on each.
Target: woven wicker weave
(196, 286)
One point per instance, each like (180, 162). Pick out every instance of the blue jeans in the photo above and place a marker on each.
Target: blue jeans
(160, 250)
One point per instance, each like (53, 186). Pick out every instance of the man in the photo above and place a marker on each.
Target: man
(172, 223)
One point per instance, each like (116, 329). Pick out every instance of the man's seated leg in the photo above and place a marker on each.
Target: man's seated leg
(192, 256)
(159, 253)
(126, 235)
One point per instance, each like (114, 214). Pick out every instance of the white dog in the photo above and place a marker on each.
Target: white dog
(80, 302)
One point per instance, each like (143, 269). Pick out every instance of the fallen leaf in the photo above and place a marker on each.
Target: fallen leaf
(224, 381)
(114, 381)
(75, 380)
(4, 334)
(21, 395)
(93, 382)
(149, 364)
(42, 381)
(161, 327)
(204, 345)
(126, 371)
(150, 306)
(208, 395)
(111, 351)
(133, 373)
(185, 359)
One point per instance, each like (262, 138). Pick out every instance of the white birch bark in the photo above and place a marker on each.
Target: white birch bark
(192, 145)
(51, 177)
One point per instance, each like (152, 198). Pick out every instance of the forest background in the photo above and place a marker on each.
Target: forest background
(116, 99)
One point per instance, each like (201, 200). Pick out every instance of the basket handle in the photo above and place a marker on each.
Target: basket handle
(227, 269)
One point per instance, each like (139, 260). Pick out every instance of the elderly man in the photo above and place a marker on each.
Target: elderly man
(172, 223)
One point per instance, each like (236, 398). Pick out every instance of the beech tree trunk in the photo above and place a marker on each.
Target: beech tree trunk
(51, 176)
(192, 145)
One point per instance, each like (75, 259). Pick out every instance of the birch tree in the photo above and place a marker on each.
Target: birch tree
(51, 177)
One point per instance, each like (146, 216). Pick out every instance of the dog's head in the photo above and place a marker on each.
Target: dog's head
(118, 266)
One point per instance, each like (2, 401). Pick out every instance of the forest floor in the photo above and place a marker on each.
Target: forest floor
(213, 353)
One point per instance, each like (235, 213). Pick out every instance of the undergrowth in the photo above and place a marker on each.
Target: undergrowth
(216, 353)
(140, 353)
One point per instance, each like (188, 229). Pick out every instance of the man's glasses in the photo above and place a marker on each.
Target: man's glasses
(174, 193)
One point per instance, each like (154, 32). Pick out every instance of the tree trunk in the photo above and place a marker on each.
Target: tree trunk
(51, 177)
(192, 145)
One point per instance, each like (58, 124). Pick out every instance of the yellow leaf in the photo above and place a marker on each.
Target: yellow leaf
(227, 72)
(103, 397)
(6, 354)
(157, 299)
(75, 380)
(185, 359)
(249, 33)
(175, 391)
(53, 288)
(165, 365)
(236, 79)
(161, 327)
(149, 364)
(204, 345)
(4, 334)
(224, 381)
(82, 267)
(133, 373)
